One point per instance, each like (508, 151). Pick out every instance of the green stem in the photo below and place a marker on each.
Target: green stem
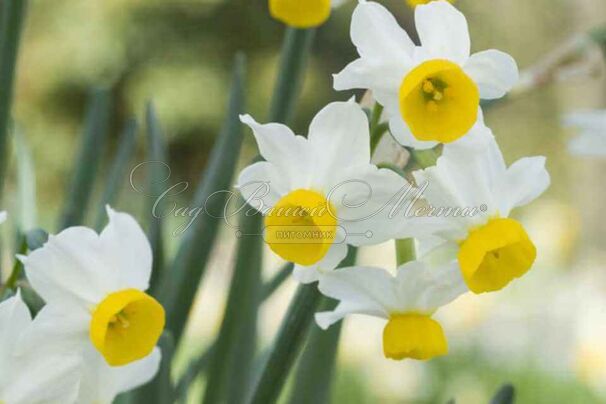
(11, 282)
(315, 370)
(377, 129)
(293, 60)
(287, 345)
(13, 16)
(405, 250)
(424, 158)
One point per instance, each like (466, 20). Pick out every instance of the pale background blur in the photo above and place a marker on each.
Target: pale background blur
(546, 333)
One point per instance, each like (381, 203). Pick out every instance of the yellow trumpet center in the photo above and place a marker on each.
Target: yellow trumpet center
(301, 227)
(495, 254)
(438, 101)
(126, 326)
(300, 13)
(414, 336)
(414, 3)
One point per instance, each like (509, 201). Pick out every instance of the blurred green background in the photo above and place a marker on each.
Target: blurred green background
(546, 334)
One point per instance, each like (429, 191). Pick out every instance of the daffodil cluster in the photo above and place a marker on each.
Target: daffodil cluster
(96, 335)
(320, 193)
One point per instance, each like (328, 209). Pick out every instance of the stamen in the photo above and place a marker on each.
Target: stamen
(428, 87)
(437, 95)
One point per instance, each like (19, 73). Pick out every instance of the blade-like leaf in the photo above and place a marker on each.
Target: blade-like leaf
(26, 184)
(235, 347)
(314, 375)
(505, 395)
(91, 150)
(156, 154)
(117, 172)
(179, 285)
(12, 18)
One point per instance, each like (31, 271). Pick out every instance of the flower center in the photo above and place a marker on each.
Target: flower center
(301, 227)
(413, 336)
(300, 14)
(126, 326)
(438, 101)
(495, 254)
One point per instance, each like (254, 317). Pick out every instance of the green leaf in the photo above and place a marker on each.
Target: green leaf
(118, 171)
(505, 395)
(160, 389)
(26, 184)
(89, 156)
(180, 284)
(200, 364)
(293, 60)
(235, 347)
(13, 16)
(288, 344)
(156, 154)
(314, 375)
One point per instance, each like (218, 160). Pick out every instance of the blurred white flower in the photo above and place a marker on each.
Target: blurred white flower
(431, 92)
(592, 127)
(324, 184)
(473, 192)
(93, 285)
(33, 373)
(407, 300)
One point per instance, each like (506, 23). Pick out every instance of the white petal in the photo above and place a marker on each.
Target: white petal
(71, 266)
(401, 132)
(14, 319)
(3, 216)
(261, 185)
(339, 138)
(443, 31)
(279, 146)
(101, 383)
(334, 256)
(68, 338)
(425, 289)
(588, 120)
(361, 290)
(377, 35)
(494, 72)
(524, 181)
(127, 249)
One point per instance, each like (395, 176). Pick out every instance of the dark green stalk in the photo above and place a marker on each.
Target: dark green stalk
(180, 284)
(234, 349)
(13, 17)
(158, 158)
(117, 172)
(289, 342)
(315, 370)
(89, 156)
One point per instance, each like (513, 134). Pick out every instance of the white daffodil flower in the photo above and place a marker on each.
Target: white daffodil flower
(431, 92)
(473, 192)
(320, 193)
(592, 139)
(93, 285)
(33, 373)
(407, 301)
(303, 14)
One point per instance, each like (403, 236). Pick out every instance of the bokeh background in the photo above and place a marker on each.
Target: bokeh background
(546, 333)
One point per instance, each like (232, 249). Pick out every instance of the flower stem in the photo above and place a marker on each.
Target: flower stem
(377, 129)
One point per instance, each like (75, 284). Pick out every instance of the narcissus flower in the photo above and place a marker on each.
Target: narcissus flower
(407, 300)
(321, 193)
(33, 373)
(473, 191)
(302, 14)
(94, 288)
(592, 139)
(431, 93)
